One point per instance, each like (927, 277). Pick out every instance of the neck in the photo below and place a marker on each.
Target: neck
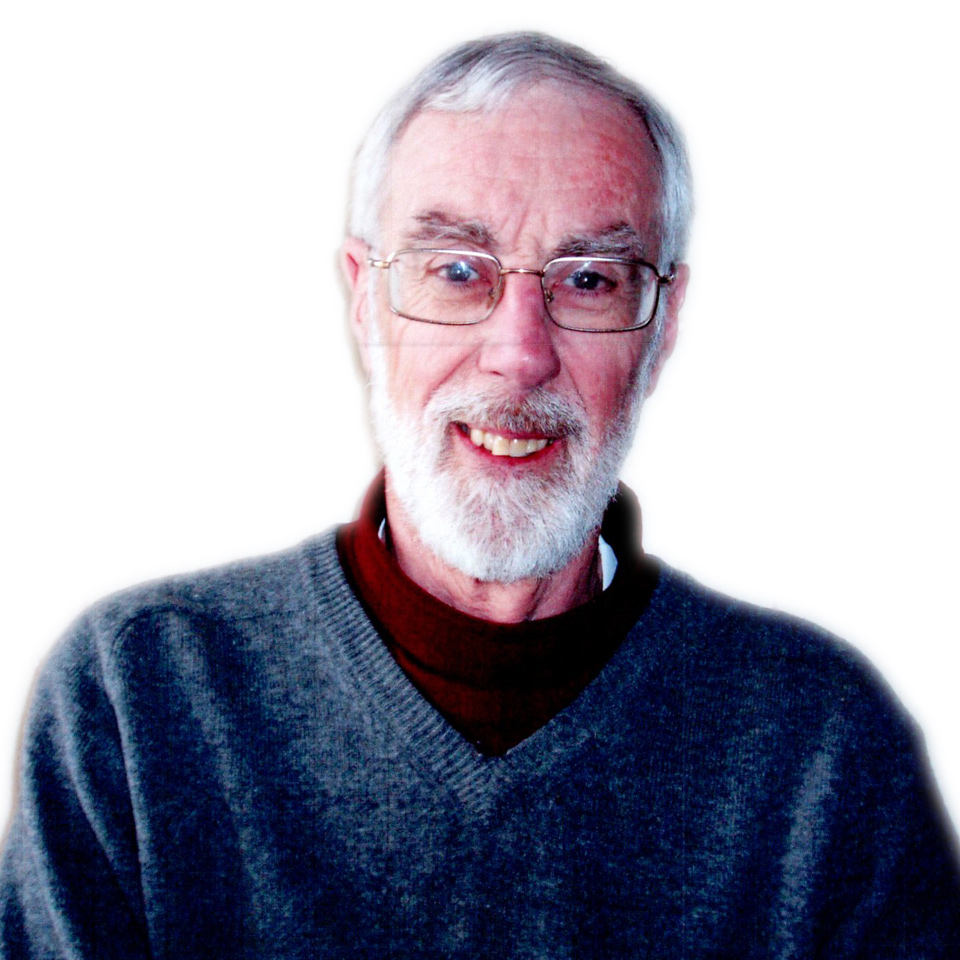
(576, 583)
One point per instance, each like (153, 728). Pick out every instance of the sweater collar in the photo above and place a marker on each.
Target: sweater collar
(495, 682)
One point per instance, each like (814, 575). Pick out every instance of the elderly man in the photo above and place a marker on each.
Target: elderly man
(479, 721)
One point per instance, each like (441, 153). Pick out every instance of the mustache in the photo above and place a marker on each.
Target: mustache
(537, 412)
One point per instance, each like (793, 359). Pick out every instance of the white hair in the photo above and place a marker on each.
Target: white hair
(501, 529)
(482, 75)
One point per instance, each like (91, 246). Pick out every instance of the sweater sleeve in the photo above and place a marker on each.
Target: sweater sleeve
(866, 863)
(897, 849)
(69, 877)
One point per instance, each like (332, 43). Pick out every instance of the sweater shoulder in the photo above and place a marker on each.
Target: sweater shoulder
(272, 587)
(795, 660)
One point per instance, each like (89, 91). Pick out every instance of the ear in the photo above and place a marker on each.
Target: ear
(676, 292)
(356, 270)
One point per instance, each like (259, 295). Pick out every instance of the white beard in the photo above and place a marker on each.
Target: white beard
(493, 527)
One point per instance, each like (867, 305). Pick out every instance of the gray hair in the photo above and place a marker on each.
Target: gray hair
(482, 75)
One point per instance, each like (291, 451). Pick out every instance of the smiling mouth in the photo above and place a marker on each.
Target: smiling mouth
(501, 446)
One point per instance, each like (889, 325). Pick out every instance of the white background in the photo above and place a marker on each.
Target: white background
(176, 383)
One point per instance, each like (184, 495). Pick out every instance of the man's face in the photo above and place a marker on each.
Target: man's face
(555, 171)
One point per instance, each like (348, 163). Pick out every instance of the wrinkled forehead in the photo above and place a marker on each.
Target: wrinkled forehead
(549, 161)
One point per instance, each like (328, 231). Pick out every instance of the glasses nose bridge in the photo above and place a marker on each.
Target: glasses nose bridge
(503, 271)
(536, 273)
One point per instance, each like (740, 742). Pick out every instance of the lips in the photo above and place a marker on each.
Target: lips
(501, 446)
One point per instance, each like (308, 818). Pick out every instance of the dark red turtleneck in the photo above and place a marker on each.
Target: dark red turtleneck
(496, 683)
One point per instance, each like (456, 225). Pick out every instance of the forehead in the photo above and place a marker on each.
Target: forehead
(553, 162)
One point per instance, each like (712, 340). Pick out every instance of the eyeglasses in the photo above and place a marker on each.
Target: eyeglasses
(590, 294)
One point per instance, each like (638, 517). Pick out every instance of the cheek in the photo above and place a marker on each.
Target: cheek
(420, 359)
(602, 375)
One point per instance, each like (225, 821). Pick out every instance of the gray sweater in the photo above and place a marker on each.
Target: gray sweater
(231, 765)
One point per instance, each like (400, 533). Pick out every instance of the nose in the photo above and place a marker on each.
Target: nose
(518, 337)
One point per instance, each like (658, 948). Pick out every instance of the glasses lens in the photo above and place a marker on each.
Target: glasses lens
(443, 286)
(600, 294)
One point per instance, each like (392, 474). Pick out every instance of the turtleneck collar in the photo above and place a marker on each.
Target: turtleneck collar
(496, 683)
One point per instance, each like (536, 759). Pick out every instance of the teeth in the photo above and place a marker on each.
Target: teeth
(505, 446)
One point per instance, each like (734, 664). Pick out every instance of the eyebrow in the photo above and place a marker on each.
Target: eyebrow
(617, 240)
(435, 226)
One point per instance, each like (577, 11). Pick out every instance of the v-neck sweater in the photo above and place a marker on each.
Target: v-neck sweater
(232, 764)
(496, 682)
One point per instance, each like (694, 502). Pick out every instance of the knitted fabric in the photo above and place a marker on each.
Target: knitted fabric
(496, 683)
(232, 765)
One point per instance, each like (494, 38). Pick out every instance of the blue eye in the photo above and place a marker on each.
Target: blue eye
(459, 271)
(590, 280)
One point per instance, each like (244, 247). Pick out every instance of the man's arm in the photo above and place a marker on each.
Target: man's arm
(896, 887)
(69, 876)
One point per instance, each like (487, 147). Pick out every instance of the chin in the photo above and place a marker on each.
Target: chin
(500, 532)
(489, 519)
